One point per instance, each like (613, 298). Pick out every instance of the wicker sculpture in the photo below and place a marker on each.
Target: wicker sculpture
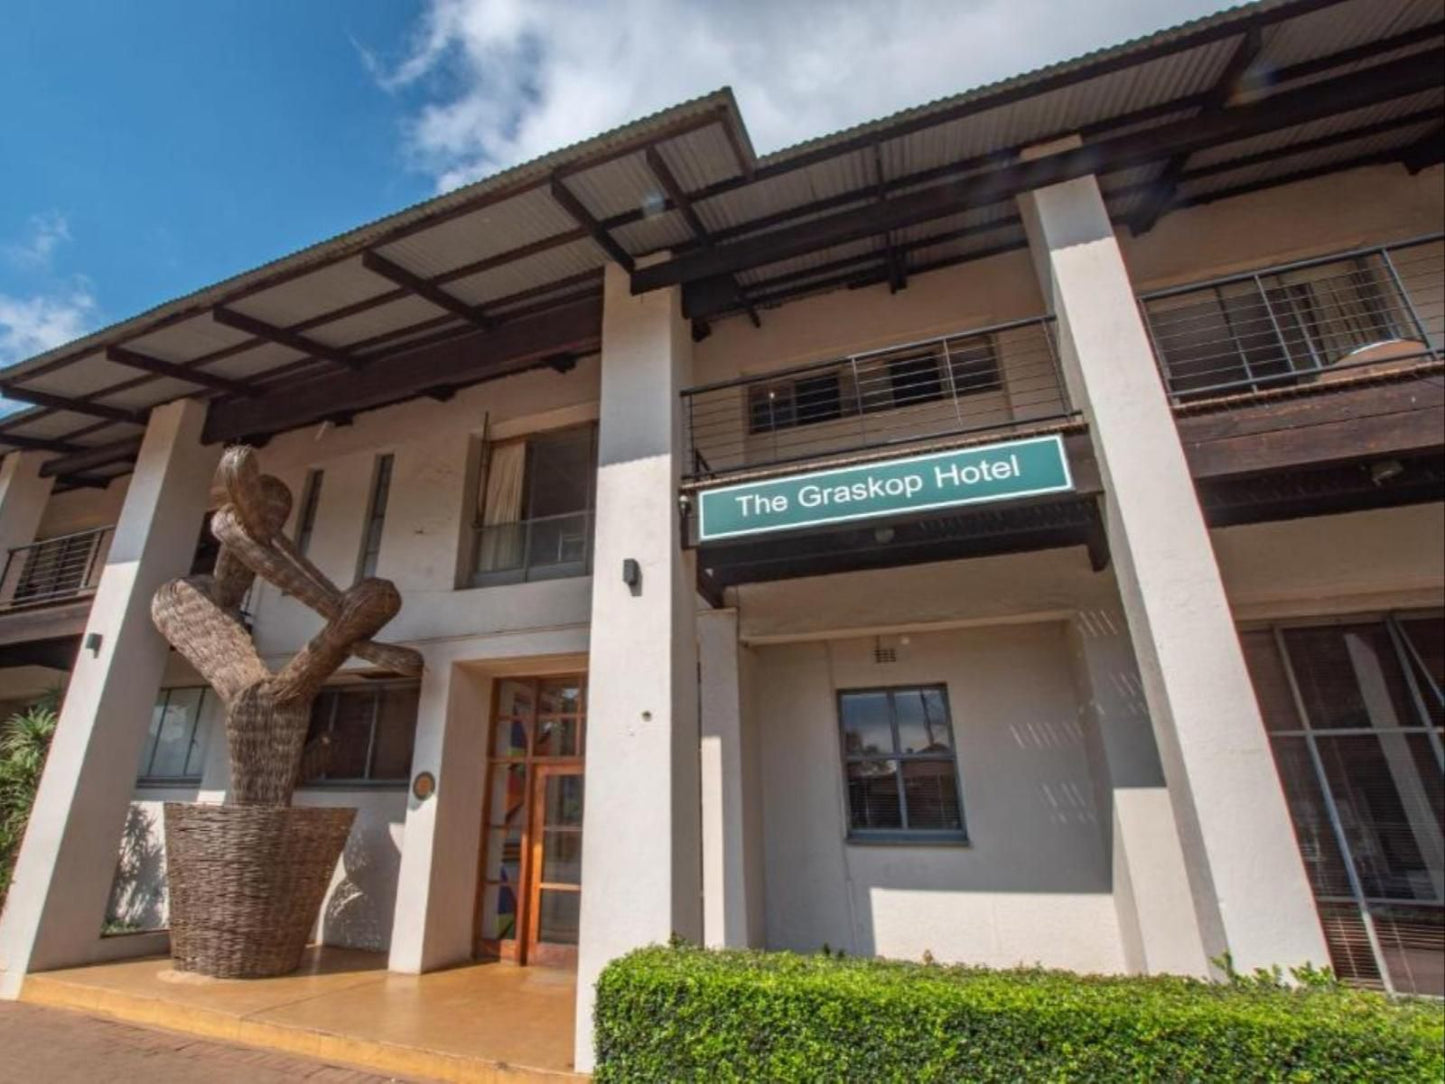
(247, 878)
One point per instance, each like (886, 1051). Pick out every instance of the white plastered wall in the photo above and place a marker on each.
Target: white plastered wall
(1033, 883)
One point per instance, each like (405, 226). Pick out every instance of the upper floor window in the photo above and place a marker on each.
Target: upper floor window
(361, 734)
(375, 517)
(899, 764)
(306, 518)
(908, 376)
(534, 510)
(175, 745)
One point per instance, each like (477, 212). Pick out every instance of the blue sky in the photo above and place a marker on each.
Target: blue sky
(150, 148)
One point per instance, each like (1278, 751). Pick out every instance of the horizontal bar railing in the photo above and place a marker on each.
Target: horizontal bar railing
(1364, 311)
(990, 378)
(55, 569)
(544, 547)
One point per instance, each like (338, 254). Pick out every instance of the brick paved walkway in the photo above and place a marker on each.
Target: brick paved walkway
(45, 1045)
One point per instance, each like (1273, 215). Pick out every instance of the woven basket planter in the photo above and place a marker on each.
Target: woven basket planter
(246, 883)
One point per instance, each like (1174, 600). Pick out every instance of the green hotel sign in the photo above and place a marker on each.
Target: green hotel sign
(992, 472)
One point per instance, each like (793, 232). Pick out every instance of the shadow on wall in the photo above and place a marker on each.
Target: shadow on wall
(358, 911)
(138, 892)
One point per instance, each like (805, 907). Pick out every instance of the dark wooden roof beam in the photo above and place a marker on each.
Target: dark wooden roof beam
(684, 204)
(1234, 78)
(1411, 75)
(1428, 150)
(36, 444)
(239, 321)
(74, 406)
(121, 355)
(378, 264)
(86, 459)
(583, 217)
(519, 344)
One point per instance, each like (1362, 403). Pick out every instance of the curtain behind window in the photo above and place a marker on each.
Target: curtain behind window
(500, 545)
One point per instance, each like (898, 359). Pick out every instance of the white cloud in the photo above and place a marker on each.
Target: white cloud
(52, 310)
(502, 81)
(48, 231)
(29, 325)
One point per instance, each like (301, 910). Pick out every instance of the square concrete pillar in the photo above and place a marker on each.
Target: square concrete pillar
(23, 494)
(641, 867)
(432, 923)
(63, 875)
(726, 842)
(1247, 881)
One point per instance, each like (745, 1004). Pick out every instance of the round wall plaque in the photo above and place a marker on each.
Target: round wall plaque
(424, 786)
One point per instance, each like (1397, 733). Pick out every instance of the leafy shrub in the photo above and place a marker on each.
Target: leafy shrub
(24, 743)
(680, 1013)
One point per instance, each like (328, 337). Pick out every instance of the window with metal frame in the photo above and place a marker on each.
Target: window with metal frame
(361, 733)
(375, 517)
(534, 508)
(175, 746)
(310, 499)
(900, 766)
(1354, 710)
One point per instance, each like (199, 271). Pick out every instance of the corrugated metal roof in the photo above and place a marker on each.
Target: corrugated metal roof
(506, 243)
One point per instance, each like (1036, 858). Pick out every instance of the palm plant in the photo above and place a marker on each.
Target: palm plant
(24, 743)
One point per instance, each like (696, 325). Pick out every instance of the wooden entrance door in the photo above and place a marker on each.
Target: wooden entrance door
(530, 885)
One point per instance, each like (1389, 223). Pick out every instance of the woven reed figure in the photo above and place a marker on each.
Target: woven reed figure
(247, 878)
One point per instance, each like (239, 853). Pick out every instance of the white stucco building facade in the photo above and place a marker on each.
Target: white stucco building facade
(1086, 730)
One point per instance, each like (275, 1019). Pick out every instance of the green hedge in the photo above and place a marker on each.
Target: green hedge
(681, 1013)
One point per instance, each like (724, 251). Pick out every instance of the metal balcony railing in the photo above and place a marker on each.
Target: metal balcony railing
(995, 378)
(55, 570)
(1365, 311)
(543, 548)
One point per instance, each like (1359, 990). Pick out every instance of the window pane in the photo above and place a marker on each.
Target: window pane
(499, 912)
(818, 399)
(509, 795)
(915, 380)
(560, 696)
(1426, 635)
(1412, 940)
(562, 803)
(561, 540)
(509, 738)
(173, 743)
(932, 792)
(212, 720)
(867, 726)
(1349, 676)
(562, 856)
(1349, 945)
(1388, 791)
(1313, 832)
(559, 473)
(395, 731)
(922, 721)
(504, 854)
(558, 918)
(350, 734)
(974, 363)
(558, 738)
(148, 749)
(873, 794)
(1271, 681)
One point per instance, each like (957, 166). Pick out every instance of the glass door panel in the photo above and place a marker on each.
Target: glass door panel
(557, 862)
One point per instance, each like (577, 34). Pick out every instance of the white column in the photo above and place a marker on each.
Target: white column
(724, 841)
(1151, 884)
(1247, 880)
(23, 493)
(432, 924)
(62, 878)
(641, 868)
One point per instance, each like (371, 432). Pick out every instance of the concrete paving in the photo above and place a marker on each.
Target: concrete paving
(48, 1045)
